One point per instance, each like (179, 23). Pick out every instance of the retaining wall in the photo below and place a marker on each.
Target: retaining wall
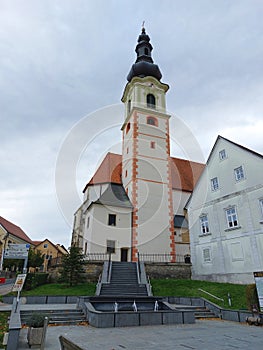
(168, 270)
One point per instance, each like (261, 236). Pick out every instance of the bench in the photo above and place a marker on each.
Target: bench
(67, 344)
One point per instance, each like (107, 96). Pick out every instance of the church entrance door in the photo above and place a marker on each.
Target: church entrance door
(124, 254)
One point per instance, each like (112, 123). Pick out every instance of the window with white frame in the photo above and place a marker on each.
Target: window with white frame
(204, 224)
(214, 184)
(207, 255)
(222, 154)
(239, 173)
(231, 217)
(110, 246)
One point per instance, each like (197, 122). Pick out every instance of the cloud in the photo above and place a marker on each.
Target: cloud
(62, 60)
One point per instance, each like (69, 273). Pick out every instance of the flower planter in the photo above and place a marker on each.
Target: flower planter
(34, 336)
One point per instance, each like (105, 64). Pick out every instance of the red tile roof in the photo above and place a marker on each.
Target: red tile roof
(185, 173)
(14, 230)
(108, 171)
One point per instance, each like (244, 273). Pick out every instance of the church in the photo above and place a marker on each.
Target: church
(133, 206)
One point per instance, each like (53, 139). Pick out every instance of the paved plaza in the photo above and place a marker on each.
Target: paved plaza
(203, 335)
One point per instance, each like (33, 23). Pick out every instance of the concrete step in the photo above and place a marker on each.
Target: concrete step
(73, 316)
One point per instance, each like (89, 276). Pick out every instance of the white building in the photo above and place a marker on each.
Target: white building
(135, 201)
(225, 214)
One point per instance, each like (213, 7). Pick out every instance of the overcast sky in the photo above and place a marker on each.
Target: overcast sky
(63, 68)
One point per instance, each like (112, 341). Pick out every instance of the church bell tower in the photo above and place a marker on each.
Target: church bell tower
(146, 172)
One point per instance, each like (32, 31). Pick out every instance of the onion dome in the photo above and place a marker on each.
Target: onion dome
(144, 65)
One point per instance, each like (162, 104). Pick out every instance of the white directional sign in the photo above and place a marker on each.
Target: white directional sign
(16, 251)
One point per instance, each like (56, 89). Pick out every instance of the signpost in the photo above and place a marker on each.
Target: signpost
(259, 285)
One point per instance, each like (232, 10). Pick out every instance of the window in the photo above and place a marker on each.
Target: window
(146, 51)
(222, 154)
(261, 206)
(150, 101)
(128, 127)
(206, 255)
(129, 106)
(88, 222)
(239, 173)
(152, 121)
(127, 150)
(152, 144)
(110, 246)
(231, 216)
(204, 224)
(214, 184)
(45, 245)
(112, 220)
(126, 173)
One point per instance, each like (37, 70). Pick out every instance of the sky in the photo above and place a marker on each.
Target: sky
(63, 69)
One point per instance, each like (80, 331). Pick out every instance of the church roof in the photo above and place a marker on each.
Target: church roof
(14, 230)
(108, 171)
(185, 173)
(116, 196)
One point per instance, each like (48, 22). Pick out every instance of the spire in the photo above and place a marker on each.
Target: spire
(144, 65)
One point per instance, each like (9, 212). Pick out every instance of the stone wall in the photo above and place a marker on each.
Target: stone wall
(153, 270)
(93, 270)
(168, 270)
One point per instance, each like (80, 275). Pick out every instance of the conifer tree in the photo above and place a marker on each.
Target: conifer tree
(73, 267)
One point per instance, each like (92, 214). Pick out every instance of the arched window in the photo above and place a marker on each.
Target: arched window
(129, 106)
(152, 121)
(146, 51)
(150, 101)
(128, 127)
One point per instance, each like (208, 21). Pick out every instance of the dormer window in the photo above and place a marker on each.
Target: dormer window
(152, 121)
(150, 101)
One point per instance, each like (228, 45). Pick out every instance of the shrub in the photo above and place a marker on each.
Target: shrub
(34, 280)
(36, 320)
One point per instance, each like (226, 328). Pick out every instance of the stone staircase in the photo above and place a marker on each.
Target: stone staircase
(57, 317)
(200, 312)
(124, 281)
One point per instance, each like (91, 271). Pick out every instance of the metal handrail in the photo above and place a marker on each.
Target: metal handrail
(109, 268)
(138, 267)
(211, 295)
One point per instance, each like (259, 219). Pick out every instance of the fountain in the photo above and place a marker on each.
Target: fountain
(115, 307)
(134, 306)
(103, 312)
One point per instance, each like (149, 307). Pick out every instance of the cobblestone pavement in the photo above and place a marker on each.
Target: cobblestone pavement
(203, 335)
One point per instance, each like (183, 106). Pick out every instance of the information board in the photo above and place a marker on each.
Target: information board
(259, 284)
(16, 251)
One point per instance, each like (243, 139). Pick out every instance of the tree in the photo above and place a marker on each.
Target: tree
(35, 259)
(73, 267)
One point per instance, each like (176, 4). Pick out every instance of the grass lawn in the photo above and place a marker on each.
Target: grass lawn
(161, 287)
(189, 288)
(3, 325)
(61, 289)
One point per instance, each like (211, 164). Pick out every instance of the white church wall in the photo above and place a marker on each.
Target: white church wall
(179, 200)
(100, 231)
